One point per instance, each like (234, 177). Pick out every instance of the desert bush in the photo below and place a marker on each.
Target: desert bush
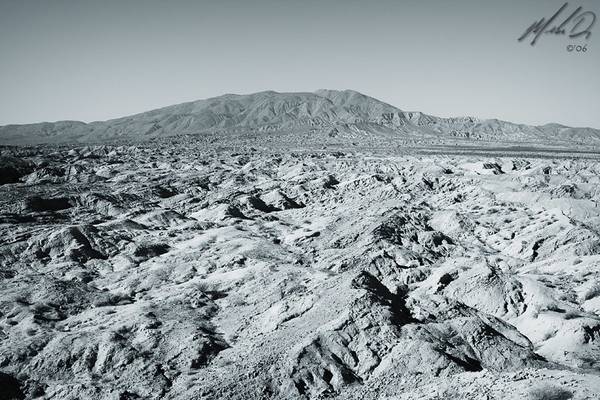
(150, 250)
(549, 392)
(572, 315)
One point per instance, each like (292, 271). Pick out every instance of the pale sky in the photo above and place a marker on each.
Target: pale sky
(94, 60)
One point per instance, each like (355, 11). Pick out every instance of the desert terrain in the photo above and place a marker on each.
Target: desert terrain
(303, 260)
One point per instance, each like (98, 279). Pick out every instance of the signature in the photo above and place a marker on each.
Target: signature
(580, 24)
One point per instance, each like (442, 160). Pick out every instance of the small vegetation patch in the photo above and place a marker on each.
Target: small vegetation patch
(550, 392)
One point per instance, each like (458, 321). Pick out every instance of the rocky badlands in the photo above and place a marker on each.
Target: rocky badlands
(225, 267)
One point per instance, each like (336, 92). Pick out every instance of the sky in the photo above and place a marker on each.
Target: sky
(95, 60)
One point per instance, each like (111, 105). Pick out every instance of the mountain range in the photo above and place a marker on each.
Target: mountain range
(322, 112)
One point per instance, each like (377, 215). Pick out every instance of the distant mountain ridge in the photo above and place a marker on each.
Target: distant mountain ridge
(324, 111)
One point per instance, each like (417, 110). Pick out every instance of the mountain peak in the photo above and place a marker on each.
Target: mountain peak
(324, 110)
